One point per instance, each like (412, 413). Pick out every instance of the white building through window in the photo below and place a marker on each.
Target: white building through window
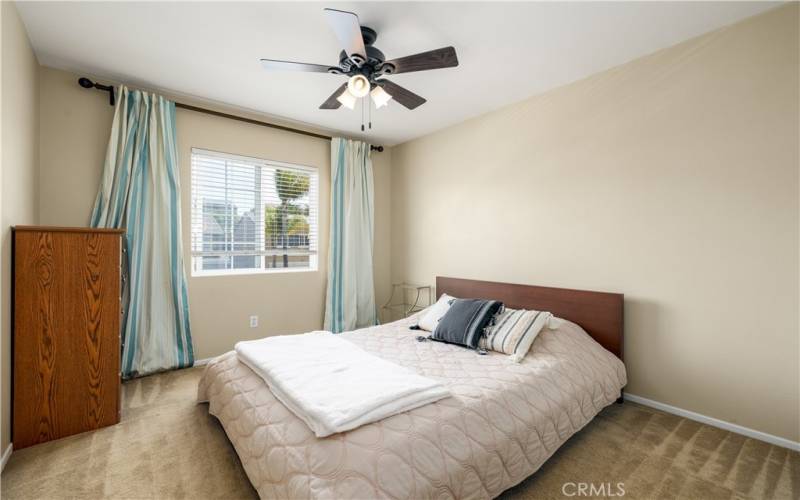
(251, 215)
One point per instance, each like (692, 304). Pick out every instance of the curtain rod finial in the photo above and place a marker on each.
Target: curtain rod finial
(88, 84)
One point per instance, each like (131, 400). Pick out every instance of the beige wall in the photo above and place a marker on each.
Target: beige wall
(75, 128)
(20, 157)
(672, 179)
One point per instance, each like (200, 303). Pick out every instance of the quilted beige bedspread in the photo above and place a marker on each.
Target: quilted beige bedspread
(503, 421)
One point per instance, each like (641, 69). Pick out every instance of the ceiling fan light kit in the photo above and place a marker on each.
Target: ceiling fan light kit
(380, 97)
(347, 99)
(366, 66)
(358, 85)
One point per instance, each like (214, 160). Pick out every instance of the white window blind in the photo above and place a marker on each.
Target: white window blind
(252, 215)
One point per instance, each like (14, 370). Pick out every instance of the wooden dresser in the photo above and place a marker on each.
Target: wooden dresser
(66, 320)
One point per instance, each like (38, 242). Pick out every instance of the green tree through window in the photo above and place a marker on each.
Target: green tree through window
(289, 218)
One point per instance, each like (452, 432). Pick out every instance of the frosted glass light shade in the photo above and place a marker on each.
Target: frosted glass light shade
(380, 97)
(347, 99)
(358, 85)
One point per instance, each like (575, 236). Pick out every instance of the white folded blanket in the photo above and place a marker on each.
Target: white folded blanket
(334, 385)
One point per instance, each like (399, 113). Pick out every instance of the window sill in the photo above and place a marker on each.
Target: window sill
(250, 272)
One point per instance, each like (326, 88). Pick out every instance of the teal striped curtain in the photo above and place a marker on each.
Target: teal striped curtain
(350, 302)
(140, 191)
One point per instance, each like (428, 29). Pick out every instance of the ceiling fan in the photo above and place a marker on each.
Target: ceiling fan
(366, 66)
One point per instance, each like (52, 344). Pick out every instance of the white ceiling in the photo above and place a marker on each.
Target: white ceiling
(507, 51)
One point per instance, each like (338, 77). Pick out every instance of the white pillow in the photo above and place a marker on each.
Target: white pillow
(554, 323)
(526, 341)
(515, 330)
(434, 313)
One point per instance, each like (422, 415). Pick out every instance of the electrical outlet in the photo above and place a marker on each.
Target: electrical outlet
(253, 321)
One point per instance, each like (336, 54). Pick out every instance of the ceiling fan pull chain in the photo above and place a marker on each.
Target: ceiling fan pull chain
(362, 114)
(369, 104)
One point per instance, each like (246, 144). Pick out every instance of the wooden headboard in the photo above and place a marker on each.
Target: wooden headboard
(599, 313)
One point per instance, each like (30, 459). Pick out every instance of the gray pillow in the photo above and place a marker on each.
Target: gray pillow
(464, 322)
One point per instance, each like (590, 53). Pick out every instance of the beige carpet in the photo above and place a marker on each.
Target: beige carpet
(169, 447)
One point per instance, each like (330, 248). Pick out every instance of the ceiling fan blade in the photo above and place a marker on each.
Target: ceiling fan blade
(275, 65)
(331, 102)
(433, 59)
(348, 30)
(402, 95)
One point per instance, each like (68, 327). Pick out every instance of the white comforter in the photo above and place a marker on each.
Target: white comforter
(334, 385)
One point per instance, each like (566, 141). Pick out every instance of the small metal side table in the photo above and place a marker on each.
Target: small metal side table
(413, 297)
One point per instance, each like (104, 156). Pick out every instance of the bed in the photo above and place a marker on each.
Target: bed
(503, 421)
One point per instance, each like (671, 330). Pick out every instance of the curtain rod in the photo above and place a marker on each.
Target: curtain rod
(88, 84)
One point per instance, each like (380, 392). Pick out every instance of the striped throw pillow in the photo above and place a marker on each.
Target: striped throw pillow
(514, 331)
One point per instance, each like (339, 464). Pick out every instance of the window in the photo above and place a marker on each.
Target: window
(251, 215)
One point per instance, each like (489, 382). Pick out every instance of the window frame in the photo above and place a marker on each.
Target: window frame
(313, 207)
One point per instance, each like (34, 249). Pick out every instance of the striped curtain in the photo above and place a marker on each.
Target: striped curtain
(350, 302)
(140, 191)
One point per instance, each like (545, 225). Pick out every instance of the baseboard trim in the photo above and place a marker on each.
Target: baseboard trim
(6, 456)
(714, 422)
